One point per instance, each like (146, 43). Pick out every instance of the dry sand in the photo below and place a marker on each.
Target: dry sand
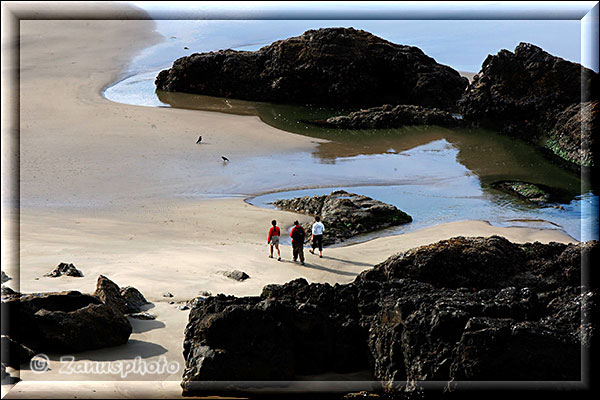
(97, 179)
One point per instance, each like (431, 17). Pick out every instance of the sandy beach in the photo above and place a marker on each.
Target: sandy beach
(97, 184)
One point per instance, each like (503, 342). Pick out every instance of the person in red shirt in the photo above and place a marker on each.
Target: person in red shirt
(273, 239)
(298, 234)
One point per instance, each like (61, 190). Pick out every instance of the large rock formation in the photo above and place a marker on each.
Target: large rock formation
(63, 322)
(346, 214)
(329, 66)
(390, 116)
(67, 322)
(533, 95)
(463, 309)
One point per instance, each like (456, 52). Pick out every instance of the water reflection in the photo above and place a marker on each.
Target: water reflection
(490, 156)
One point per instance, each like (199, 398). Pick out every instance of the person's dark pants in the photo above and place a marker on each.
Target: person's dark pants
(298, 250)
(317, 242)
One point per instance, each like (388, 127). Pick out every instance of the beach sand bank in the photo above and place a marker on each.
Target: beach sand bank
(96, 188)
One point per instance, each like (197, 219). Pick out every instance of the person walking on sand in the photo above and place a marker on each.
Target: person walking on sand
(317, 236)
(298, 234)
(273, 239)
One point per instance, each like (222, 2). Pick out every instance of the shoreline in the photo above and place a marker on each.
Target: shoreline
(76, 143)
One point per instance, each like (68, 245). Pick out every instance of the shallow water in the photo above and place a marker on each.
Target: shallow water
(435, 174)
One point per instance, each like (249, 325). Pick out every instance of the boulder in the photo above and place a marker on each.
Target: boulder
(134, 299)
(5, 278)
(345, 214)
(533, 95)
(110, 294)
(63, 322)
(236, 275)
(329, 66)
(463, 309)
(65, 269)
(390, 116)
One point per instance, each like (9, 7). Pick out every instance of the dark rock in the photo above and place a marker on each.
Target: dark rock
(464, 309)
(167, 294)
(572, 137)
(236, 275)
(63, 322)
(110, 294)
(5, 278)
(8, 292)
(346, 214)
(390, 116)
(134, 300)
(14, 354)
(183, 307)
(330, 66)
(530, 93)
(142, 315)
(65, 269)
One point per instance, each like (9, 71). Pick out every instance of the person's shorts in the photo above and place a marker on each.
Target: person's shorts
(274, 240)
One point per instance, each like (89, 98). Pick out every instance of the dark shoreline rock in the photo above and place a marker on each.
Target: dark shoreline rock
(391, 116)
(63, 322)
(463, 309)
(69, 321)
(329, 66)
(533, 95)
(345, 214)
(65, 269)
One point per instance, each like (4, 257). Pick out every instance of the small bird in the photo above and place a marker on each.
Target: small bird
(225, 159)
(199, 140)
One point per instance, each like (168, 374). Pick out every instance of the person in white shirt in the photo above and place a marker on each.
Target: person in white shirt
(317, 236)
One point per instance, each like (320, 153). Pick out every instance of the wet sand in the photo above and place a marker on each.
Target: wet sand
(96, 183)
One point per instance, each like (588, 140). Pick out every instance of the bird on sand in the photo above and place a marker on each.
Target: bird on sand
(199, 140)
(225, 159)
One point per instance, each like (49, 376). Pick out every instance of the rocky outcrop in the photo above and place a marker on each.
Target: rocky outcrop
(346, 214)
(525, 190)
(533, 95)
(63, 322)
(65, 269)
(329, 66)
(390, 116)
(463, 309)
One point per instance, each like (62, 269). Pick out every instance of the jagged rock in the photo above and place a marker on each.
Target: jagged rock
(14, 354)
(462, 309)
(526, 93)
(346, 214)
(5, 278)
(110, 294)
(390, 116)
(65, 269)
(63, 322)
(142, 315)
(236, 275)
(134, 300)
(332, 66)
